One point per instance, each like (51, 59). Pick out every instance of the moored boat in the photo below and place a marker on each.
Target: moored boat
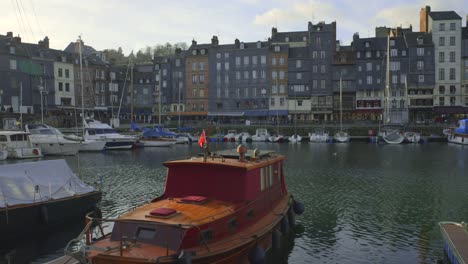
(319, 136)
(261, 135)
(96, 130)
(244, 137)
(19, 145)
(193, 222)
(459, 135)
(230, 136)
(51, 140)
(37, 196)
(3, 152)
(295, 138)
(341, 136)
(412, 137)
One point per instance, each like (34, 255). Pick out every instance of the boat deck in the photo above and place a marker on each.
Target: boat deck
(455, 241)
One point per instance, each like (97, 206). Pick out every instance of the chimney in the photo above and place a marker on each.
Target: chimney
(9, 34)
(194, 43)
(274, 31)
(237, 43)
(17, 39)
(45, 43)
(423, 16)
(214, 41)
(309, 26)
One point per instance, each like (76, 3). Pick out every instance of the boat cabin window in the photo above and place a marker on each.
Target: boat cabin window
(266, 177)
(3, 138)
(105, 131)
(19, 137)
(91, 132)
(42, 131)
(205, 236)
(145, 234)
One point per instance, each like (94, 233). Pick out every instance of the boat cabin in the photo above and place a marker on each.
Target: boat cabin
(19, 145)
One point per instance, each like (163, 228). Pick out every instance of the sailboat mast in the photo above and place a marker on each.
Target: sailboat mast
(179, 107)
(81, 84)
(341, 105)
(277, 116)
(131, 89)
(387, 81)
(160, 91)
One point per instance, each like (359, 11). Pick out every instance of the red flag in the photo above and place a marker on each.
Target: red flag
(202, 139)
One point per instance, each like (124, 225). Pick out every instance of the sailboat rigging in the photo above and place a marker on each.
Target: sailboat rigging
(278, 138)
(341, 136)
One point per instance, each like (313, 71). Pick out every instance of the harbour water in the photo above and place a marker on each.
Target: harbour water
(365, 203)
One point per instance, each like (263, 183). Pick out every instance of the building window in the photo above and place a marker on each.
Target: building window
(194, 78)
(246, 60)
(322, 68)
(442, 27)
(452, 89)
(202, 78)
(273, 61)
(263, 59)
(441, 101)
(393, 52)
(277, 48)
(322, 84)
(281, 61)
(274, 89)
(281, 74)
(254, 60)
(246, 75)
(377, 54)
(218, 66)
(420, 78)
(452, 101)
(420, 65)
(369, 66)
(368, 54)
(394, 66)
(314, 68)
(322, 54)
(394, 79)
(377, 67)
(403, 53)
(452, 26)
(441, 41)
(369, 79)
(67, 87)
(359, 68)
(281, 88)
(314, 84)
(202, 66)
(60, 87)
(392, 42)
(60, 72)
(441, 89)
(452, 41)
(238, 75)
(254, 74)
(226, 66)
(226, 92)
(272, 101)
(441, 56)
(452, 74)
(298, 64)
(452, 56)
(314, 54)
(299, 76)
(13, 65)
(420, 51)
(282, 101)
(442, 74)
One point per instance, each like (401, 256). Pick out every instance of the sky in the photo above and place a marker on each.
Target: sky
(133, 25)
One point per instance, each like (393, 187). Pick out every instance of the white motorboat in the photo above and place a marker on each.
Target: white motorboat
(188, 136)
(342, 136)
(319, 136)
(244, 137)
(261, 135)
(96, 130)
(295, 138)
(51, 140)
(412, 137)
(19, 145)
(230, 136)
(459, 135)
(276, 138)
(392, 135)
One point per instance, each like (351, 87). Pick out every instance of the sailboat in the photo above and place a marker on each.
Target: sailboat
(389, 134)
(410, 136)
(277, 138)
(295, 138)
(341, 136)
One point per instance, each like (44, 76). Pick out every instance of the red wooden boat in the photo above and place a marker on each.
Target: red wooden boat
(226, 208)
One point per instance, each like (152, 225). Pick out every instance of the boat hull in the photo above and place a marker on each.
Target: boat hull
(58, 148)
(92, 145)
(23, 220)
(295, 139)
(24, 153)
(157, 143)
(457, 139)
(118, 144)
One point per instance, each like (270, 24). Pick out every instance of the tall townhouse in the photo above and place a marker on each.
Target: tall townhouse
(64, 80)
(344, 75)
(370, 69)
(322, 41)
(175, 96)
(144, 104)
(162, 87)
(278, 64)
(421, 79)
(197, 81)
(26, 75)
(446, 34)
(119, 83)
(298, 71)
(239, 80)
(464, 66)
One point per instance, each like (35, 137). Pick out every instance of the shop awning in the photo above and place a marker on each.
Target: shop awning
(256, 113)
(225, 113)
(449, 109)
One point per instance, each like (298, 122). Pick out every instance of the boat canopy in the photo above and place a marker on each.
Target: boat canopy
(463, 127)
(32, 182)
(157, 131)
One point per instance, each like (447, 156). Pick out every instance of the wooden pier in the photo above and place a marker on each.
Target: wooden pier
(455, 241)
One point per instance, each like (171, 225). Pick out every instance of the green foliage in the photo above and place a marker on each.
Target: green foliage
(145, 54)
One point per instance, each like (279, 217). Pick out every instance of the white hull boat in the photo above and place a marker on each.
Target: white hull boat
(51, 141)
(341, 137)
(276, 139)
(261, 135)
(96, 130)
(3, 152)
(412, 137)
(18, 145)
(90, 145)
(392, 137)
(459, 135)
(157, 143)
(244, 137)
(295, 139)
(318, 137)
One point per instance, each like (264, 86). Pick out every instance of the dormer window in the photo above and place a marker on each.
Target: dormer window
(259, 44)
(392, 42)
(202, 51)
(420, 40)
(242, 46)
(12, 49)
(304, 38)
(367, 44)
(63, 59)
(156, 66)
(277, 48)
(319, 28)
(194, 52)
(286, 39)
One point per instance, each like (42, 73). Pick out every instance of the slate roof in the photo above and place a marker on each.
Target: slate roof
(411, 38)
(444, 15)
